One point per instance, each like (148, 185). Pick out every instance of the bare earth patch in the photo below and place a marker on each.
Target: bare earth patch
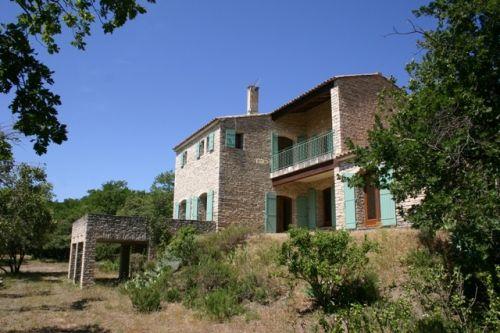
(41, 299)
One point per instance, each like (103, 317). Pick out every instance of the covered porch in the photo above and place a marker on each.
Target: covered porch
(306, 200)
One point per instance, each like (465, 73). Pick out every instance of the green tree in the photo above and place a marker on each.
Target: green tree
(25, 215)
(28, 80)
(444, 140)
(108, 199)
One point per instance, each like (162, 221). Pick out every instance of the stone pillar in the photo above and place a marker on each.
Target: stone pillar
(124, 261)
(71, 265)
(78, 263)
(88, 262)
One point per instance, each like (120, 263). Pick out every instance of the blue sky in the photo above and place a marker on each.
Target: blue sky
(131, 96)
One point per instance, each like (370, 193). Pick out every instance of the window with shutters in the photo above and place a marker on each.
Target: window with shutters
(201, 148)
(210, 142)
(372, 205)
(184, 158)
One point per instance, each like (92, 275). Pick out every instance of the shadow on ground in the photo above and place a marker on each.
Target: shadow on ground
(79, 305)
(40, 276)
(55, 329)
(108, 282)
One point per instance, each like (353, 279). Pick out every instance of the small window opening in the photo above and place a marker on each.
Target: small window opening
(201, 147)
(184, 159)
(239, 141)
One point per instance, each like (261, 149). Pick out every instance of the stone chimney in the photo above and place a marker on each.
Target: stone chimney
(252, 99)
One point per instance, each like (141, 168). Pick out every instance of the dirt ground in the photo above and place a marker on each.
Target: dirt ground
(41, 299)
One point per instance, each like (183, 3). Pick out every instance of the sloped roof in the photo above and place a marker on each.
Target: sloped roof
(319, 93)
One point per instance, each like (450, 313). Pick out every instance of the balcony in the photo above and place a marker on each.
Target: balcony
(304, 154)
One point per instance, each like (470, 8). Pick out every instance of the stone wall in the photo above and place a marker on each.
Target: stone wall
(93, 228)
(354, 103)
(317, 120)
(201, 175)
(244, 173)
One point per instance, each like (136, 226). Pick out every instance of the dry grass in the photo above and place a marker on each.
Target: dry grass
(42, 300)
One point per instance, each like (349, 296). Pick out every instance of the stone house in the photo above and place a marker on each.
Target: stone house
(282, 168)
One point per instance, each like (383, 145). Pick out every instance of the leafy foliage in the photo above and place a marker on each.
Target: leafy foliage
(210, 273)
(114, 197)
(34, 105)
(444, 140)
(25, 216)
(330, 262)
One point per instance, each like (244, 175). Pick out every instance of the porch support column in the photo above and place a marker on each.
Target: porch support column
(124, 261)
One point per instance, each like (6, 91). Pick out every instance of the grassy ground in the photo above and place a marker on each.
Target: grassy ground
(41, 299)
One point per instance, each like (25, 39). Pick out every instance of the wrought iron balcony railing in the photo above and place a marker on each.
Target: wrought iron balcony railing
(303, 151)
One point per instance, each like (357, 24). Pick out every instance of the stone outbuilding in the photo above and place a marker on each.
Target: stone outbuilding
(93, 228)
(125, 230)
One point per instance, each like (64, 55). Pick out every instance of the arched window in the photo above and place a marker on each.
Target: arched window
(202, 207)
(182, 210)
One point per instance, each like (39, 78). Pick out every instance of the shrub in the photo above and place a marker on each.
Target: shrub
(183, 246)
(379, 317)
(105, 251)
(438, 287)
(144, 298)
(330, 262)
(108, 266)
(221, 304)
(137, 263)
(219, 244)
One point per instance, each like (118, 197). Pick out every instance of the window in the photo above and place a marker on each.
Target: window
(210, 142)
(184, 158)
(372, 205)
(238, 141)
(201, 148)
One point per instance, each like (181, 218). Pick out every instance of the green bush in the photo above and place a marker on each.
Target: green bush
(379, 317)
(438, 287)
(221, 304)
(108, 266)
(105, 251)
(145, 298)
(202, 272)
(218, 245)
(183, 246)
(137, 263)
(331, 263)
(172, 295)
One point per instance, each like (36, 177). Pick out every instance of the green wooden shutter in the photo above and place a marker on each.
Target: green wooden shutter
(334, 208)
(302, 211)
(194, 215)
(270, 212)
(230, 138)
(274, 151)
(176, 210)
(210, 205)
(211, 140)
(197, 150)
(387, 205)
(349, 204)
(188, 209)
(311, 218)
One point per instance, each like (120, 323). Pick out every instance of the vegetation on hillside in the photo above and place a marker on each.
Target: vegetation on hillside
(440, 136)
(115, 198)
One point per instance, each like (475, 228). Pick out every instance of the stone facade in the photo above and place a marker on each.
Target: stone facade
(199, 175)
(244, 173)
(125, 230)
(241, 177)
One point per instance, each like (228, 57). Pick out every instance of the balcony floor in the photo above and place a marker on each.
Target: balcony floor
(302, 165)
